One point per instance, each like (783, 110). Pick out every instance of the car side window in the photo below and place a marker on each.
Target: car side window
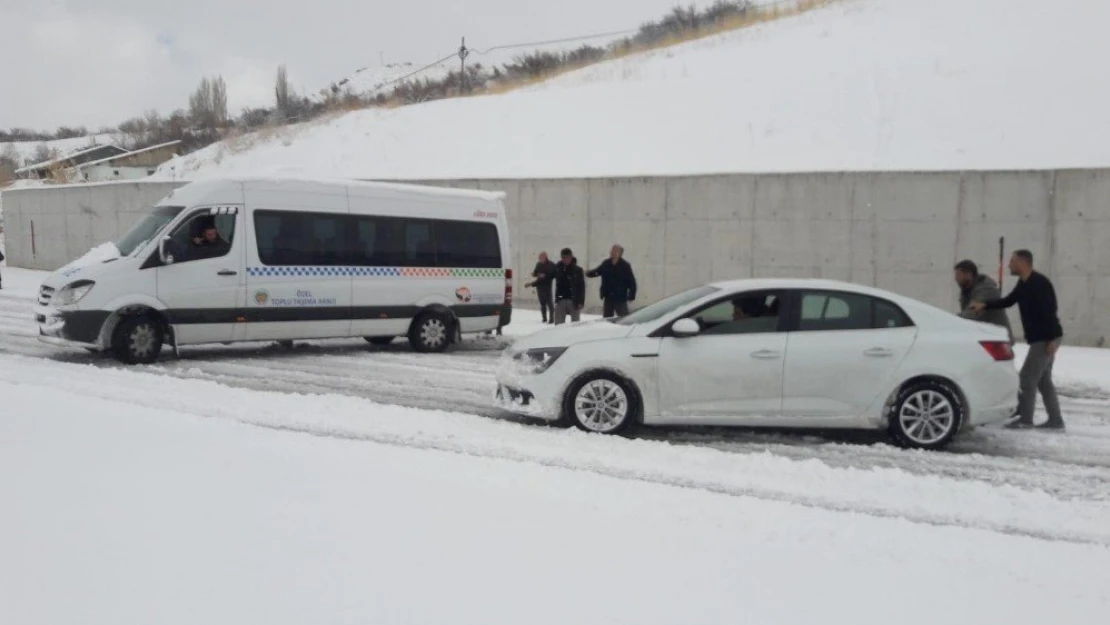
(746, 313)
(825, 311)
(203, 236)
(889, 315)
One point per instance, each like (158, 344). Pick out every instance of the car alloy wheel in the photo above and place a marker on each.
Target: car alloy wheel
(927, 415)
(601, 405)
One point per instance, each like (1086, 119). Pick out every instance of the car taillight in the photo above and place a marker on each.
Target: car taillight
(999, 350)
(508, 287)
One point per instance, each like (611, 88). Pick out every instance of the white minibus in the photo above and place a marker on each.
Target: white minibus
(253, 259)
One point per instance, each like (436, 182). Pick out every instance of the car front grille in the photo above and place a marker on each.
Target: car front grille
(45, 294)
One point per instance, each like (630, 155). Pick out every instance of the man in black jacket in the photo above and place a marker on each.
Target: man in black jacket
(618, 283)
(544, 275)
(570, 288)
(1036, 300)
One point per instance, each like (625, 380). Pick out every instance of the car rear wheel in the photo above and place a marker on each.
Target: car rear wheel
(138, 339)
(430, 333)
(602, 403)
(926, 415)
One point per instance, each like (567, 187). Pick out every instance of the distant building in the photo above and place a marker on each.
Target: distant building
(126, 166)
(101, 163)
(46, 169)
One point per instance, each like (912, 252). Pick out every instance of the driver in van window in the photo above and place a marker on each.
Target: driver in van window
(208, 244)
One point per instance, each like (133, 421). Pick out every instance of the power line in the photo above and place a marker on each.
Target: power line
(615, 33)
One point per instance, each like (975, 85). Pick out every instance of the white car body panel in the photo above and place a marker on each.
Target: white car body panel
(807, 379)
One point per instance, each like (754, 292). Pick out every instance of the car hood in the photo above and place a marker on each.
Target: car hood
(573, 333)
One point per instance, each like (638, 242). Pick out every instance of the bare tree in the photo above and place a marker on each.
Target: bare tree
(283, 95)
(9, 162)
(219, 102)
(43, 153)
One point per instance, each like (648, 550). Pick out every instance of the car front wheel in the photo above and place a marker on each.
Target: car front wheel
(601, 402)
(926, 415)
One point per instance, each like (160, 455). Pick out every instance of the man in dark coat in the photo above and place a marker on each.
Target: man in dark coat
(977, 287)
(570, 288)
(209, 244)
(544, 275)
(618, 283)
(1036, 300)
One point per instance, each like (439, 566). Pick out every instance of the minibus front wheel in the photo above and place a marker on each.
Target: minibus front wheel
(138, 339)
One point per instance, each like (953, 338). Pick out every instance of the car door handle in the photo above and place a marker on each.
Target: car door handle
(766, 354)
(879, 352)
(226, 272)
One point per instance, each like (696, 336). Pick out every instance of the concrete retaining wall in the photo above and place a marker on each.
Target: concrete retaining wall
(69, 220)
(898, 231)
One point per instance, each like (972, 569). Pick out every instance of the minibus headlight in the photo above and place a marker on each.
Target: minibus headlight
(72, 293)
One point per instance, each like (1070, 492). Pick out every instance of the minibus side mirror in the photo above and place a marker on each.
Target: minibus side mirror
(163, 255)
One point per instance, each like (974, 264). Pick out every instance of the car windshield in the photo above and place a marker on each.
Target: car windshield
(666, 306)
(147, 228)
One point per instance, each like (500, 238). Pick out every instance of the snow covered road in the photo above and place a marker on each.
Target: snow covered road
(1073, 465)
(136, 497)
(256, 484)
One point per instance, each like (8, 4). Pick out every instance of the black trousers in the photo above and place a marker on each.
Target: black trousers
(547, 304)
(614, 309)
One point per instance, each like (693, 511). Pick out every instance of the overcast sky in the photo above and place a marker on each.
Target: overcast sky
(98, 62)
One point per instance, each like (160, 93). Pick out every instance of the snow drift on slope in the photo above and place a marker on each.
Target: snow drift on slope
(858, 85)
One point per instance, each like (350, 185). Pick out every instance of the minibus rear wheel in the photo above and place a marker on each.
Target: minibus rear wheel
(431, 332)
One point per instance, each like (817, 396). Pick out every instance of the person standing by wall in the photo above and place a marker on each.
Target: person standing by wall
(544, 275)
(1036, 299)
(570, 288)
(977, 287)
(618, 283)
(1, 275)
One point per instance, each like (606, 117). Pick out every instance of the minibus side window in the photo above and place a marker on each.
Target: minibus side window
(467, 244)
(190, 241)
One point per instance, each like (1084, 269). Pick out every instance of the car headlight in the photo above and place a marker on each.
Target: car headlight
(72, 293)
(539, 359)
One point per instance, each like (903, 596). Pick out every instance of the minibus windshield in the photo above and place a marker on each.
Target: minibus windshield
(147, 228)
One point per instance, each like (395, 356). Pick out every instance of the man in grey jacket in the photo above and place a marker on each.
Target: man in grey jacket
(977, 287)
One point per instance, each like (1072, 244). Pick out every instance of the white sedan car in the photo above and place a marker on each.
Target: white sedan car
(781, 353)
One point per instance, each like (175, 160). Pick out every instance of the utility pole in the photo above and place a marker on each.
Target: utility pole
(463, 53)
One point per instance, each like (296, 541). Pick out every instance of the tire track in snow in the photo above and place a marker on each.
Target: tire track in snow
(616, 458)
(1073, 466)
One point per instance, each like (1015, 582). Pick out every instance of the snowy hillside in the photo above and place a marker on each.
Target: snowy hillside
(858, 85)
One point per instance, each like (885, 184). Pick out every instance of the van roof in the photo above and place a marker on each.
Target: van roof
(370, 185)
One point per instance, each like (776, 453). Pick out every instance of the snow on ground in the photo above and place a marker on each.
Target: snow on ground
(859, 85)
(251, 483)
(132, 497)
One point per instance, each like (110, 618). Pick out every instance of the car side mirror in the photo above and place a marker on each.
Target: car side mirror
(686, 328)
(163, 255)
